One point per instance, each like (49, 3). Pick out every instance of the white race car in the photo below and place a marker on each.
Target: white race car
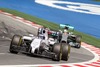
(40, 45)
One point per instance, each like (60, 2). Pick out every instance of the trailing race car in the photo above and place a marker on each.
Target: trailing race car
(40, 46)
(73, 40)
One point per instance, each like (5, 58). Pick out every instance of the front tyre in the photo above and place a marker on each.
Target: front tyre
(78, 41)
(15, 44)
(78, 38)
(65, 51)
(78, 45)
(57, 51)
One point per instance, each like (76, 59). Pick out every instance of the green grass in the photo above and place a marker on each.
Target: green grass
(85, 37)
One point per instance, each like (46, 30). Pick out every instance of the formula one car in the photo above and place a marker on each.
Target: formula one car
(73, 40)
(40, 46)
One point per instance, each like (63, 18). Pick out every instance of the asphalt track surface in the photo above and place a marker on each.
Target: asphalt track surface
(10, 26)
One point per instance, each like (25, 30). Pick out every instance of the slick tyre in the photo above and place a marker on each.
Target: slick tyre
(78, 45)
(78, 41)
(57, 51)
(15, 44)
(78, 38)
(65, 51)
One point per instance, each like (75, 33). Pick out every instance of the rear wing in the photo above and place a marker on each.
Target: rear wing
(67, 25)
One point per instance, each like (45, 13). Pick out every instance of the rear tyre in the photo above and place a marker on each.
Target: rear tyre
(65, 51)
(57, 51)
(78, 41)
(15, 44)
(78, 38)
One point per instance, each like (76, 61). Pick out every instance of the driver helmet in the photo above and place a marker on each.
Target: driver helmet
(44, 31)
(65, 31)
